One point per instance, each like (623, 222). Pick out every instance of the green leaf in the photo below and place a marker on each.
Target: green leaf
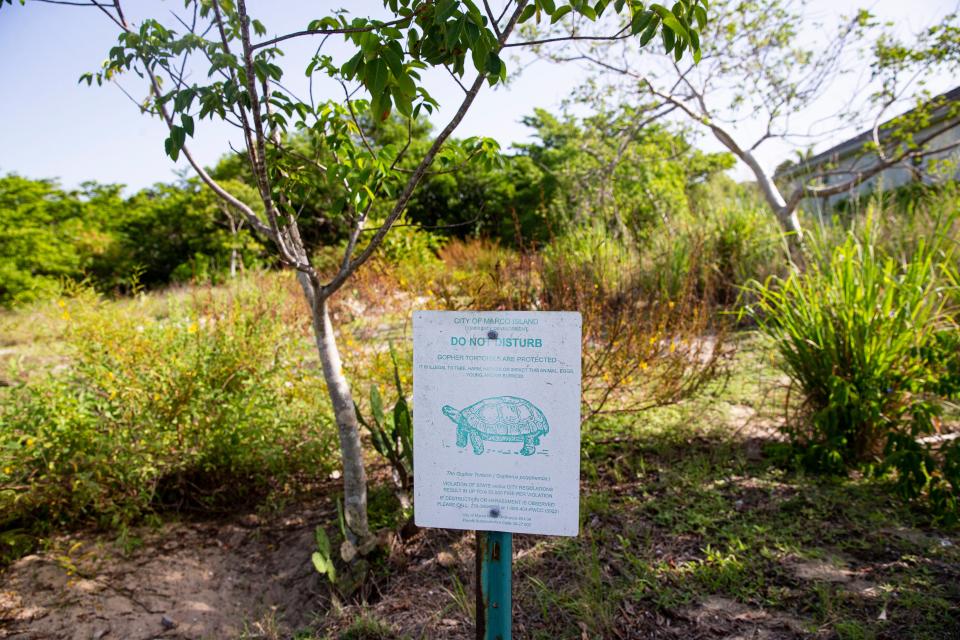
(179, 136)
(406, 87)
(403, 102)
(548, 6)
(401, 416)
(376, 405)
(382, 104)
(187, 123)
(670, 21)
(321, 564)
(396, 371)
(651, 31)
(375, 76)
(413, 40)
(322, 541)
(445, 9)
(174, 142)
(640, 21)
(495, 67)
(393, 57)
(675, 26)
(452, 36)
(471, 33)
(404, 428)
(701, 15)
(558, 14)
(322, 558)
(479, 54)
(527, 13)
(356, 407)
(669, 40)
(587, 12)
(169, 149)
(349, 69)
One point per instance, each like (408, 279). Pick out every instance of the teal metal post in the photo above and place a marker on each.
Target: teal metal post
(494, 585)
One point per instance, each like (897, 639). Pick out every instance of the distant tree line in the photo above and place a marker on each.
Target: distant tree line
(576, 171)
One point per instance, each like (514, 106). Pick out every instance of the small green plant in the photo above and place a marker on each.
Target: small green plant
(392, 434)
(322, 558)
(462, 601)
(367, 627)
(855, 333)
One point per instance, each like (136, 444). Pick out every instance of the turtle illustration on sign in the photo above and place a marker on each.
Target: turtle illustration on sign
(499, 419)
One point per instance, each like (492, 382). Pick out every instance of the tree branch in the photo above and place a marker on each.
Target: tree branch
(296, 255)
(620, 35)
(401, 202)
(493, 21)
(251, 216)
(328, 32)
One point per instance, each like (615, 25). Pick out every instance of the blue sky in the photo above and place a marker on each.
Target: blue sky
(53, 127)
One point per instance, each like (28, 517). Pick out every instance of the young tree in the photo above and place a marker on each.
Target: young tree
(754, 70)
(243, 85)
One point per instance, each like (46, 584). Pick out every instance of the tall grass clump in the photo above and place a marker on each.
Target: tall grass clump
(861, 334)
(205, 402)
(713, 253)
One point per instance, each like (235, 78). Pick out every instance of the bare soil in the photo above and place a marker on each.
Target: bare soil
(186, 580)
(248, 577)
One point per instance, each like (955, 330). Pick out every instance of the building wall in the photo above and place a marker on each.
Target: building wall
(891, 178)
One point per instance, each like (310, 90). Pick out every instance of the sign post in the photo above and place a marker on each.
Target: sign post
(494, 585)
(496, 418)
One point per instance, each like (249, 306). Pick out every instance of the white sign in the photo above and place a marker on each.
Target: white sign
(496, 420)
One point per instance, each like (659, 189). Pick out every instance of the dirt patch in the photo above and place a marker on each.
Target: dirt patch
(733, 620)
(751, 426)
(816, 570)
(185, 581)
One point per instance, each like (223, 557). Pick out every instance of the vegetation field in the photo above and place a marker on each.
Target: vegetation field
(206, 411)
(697, 517)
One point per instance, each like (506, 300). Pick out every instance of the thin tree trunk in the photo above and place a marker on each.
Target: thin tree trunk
(351, 450)
(785, 212)
(233, 247)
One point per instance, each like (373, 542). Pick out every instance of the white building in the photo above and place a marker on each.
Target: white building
(853, 158)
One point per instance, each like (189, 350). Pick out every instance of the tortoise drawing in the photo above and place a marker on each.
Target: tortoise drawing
(499, 419)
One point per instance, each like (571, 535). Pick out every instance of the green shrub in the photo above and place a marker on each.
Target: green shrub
(859, 334)
(206, 403)
(715, 253)
(597, 256)
(44, 234)
(410, 253)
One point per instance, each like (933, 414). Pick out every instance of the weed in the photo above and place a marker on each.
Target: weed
(392, 435)
(464, 602)
(368, 628)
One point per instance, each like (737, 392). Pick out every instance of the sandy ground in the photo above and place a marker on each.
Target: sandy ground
(186, 580)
